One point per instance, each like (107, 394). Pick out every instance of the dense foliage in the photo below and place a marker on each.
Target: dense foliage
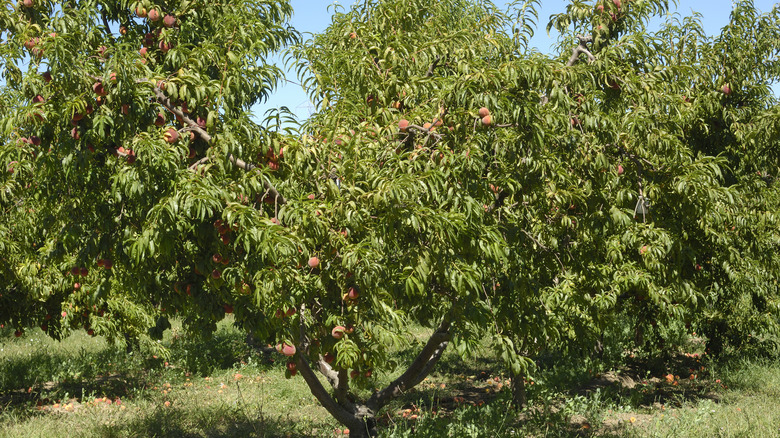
(451, 177)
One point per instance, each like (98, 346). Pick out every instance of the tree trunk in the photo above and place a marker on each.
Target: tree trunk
(367, 428)
(519, 399)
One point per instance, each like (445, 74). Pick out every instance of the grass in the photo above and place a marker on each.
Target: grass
(85, 387)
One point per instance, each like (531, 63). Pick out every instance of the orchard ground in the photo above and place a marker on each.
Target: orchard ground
(225, 388)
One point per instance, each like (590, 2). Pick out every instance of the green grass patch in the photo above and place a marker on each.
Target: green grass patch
(222, 387)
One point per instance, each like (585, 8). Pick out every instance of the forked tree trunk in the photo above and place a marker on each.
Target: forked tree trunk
(360, 417)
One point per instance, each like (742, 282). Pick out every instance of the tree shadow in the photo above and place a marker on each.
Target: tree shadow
(212, 423)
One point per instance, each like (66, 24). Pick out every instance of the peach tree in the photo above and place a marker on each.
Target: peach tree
(599, 188)
(451, 178)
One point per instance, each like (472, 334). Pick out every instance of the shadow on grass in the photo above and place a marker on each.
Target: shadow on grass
(110, 371)
(214, 423)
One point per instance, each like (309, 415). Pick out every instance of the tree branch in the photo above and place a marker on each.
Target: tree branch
(105, 23)
(431, 363)
(581, 48)
(414, 374)
(193, 126)
(339, 412)
(433, 67)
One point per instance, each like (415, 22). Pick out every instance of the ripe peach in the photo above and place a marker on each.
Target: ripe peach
(328, 357)
(427, 125)
(159, 120)
(403, 124)
(487, 120)
(228, 308)
(84, 272)
(286, 349)
(75, 133)
(292, 367)
(171, 135)
(164, 47)
(314, 262)
(484, 112)
(154, 15)
(620, 169)
(141, 12)
(352, 35)
(46, 76)
(726, 89)
(98, 88)
(32, 42)
(338, 331)
(37, 99)
(215, 274)
(354, 374)
(76, 286)
(353, 293)
(27, 3)
(169, 21)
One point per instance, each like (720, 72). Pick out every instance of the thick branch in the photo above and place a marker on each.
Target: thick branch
(581, 48)
(431, 363)
(105, 23)
(340, 413)
(428, 131)
(414, 374)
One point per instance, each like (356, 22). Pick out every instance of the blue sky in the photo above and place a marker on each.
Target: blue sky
(314, 16)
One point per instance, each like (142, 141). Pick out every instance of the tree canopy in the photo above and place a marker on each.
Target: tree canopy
(450, 177)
